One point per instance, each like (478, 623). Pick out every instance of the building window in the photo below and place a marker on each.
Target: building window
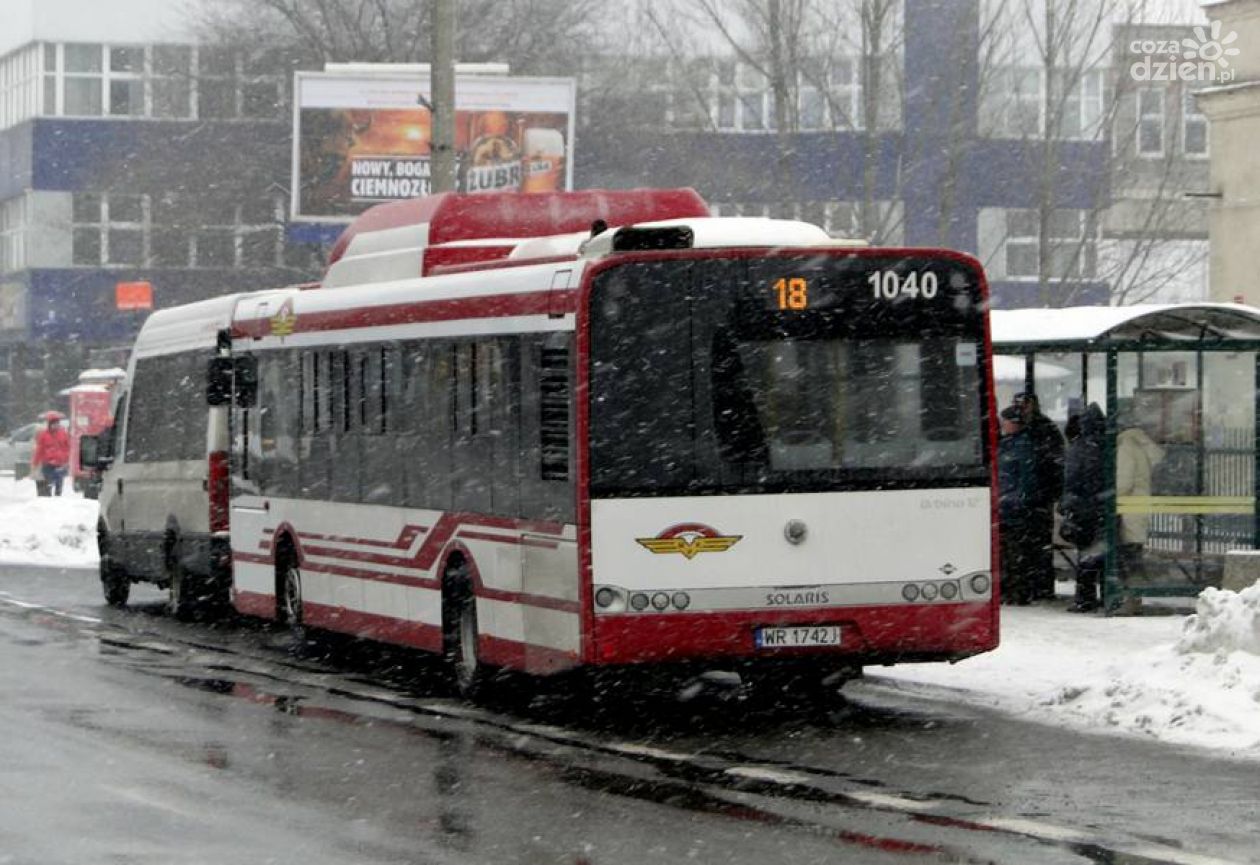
(230, 85)
(244, 235)
(126, 81)
(1021, 244)
(82, 81)
(1150, 125)
(1013, 103)
(13, 234)
(167, 81)
(110, 230)
(1081, 106)
(845, 94)
(754, 94)
(19, 86)
(812, 102)
(1071, 237)
(743, 98)
(87, 229)
(172, 81)
(828, 96)
(50, 79)
(216, 82)
(1194, 126)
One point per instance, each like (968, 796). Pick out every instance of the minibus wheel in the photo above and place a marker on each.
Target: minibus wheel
(115, 583)
(183, 603)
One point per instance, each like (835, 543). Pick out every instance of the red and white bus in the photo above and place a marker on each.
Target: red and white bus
(679, 439)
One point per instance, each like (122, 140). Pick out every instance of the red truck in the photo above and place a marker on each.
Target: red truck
(90, 402)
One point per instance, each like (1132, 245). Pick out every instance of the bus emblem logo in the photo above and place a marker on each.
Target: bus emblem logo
(284, 321)
(689, 539)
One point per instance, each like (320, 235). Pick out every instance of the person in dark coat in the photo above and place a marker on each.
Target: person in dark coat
(1047, 445)
(1083, 505)
(1016, 492)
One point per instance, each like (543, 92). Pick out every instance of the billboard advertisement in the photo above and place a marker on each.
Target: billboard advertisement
(363, 138)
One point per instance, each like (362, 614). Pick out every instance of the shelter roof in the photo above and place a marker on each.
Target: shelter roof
(1097, 326)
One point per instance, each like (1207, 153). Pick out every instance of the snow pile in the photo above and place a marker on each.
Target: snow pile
(1223, 622)
(45, 531)
(1183, 680)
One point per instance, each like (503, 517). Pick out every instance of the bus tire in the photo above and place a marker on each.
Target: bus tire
(289, 605)
(469, 674)
(115, 584)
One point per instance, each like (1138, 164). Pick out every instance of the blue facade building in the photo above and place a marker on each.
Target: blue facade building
(952, 176)
(128, 153)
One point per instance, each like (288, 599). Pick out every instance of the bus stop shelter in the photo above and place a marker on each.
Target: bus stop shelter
(1187, 374)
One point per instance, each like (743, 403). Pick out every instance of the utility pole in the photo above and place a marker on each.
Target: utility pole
(442, 79)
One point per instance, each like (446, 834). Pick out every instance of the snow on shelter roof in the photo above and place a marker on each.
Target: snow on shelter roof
(1096, 325)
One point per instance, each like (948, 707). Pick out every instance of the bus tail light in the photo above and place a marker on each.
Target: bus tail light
(218, 486)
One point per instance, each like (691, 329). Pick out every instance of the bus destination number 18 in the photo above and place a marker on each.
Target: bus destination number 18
(890, 285)
(793, 293)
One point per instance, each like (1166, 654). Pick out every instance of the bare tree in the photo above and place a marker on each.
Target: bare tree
(533, 36)
(811, 57)
(1076, 60)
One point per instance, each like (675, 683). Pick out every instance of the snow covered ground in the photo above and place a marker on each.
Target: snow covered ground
(45, 531)
(1186, 680)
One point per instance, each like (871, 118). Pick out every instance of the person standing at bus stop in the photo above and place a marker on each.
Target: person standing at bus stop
(1137, 454)
(1047, 448)
(1016, 491)
(51, 456)
(1083, 506)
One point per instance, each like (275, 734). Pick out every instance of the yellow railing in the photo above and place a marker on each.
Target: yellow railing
(1186, 505)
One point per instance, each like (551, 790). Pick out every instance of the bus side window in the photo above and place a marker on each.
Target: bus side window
(344, 463)
(423, 419)
(553, 410)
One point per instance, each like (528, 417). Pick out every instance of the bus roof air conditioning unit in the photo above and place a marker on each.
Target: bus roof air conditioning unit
(406, 239)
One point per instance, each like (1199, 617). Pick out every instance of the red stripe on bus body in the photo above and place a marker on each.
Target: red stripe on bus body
(424, 557)
(372, 576)
(545, 543)
(254, 604)
(482, 591)
(414, 312)
(387, 629)
(365, 556)
(511, 540)
(526, 599)
(402, 542)
(250, 558)
(528, 657)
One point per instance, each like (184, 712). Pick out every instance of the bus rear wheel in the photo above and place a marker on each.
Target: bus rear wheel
(469, 674)
(289, 606)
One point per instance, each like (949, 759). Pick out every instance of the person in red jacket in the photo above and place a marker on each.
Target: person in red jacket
(52, 454)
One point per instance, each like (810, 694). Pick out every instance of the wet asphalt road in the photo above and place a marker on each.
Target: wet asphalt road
(127, 737)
